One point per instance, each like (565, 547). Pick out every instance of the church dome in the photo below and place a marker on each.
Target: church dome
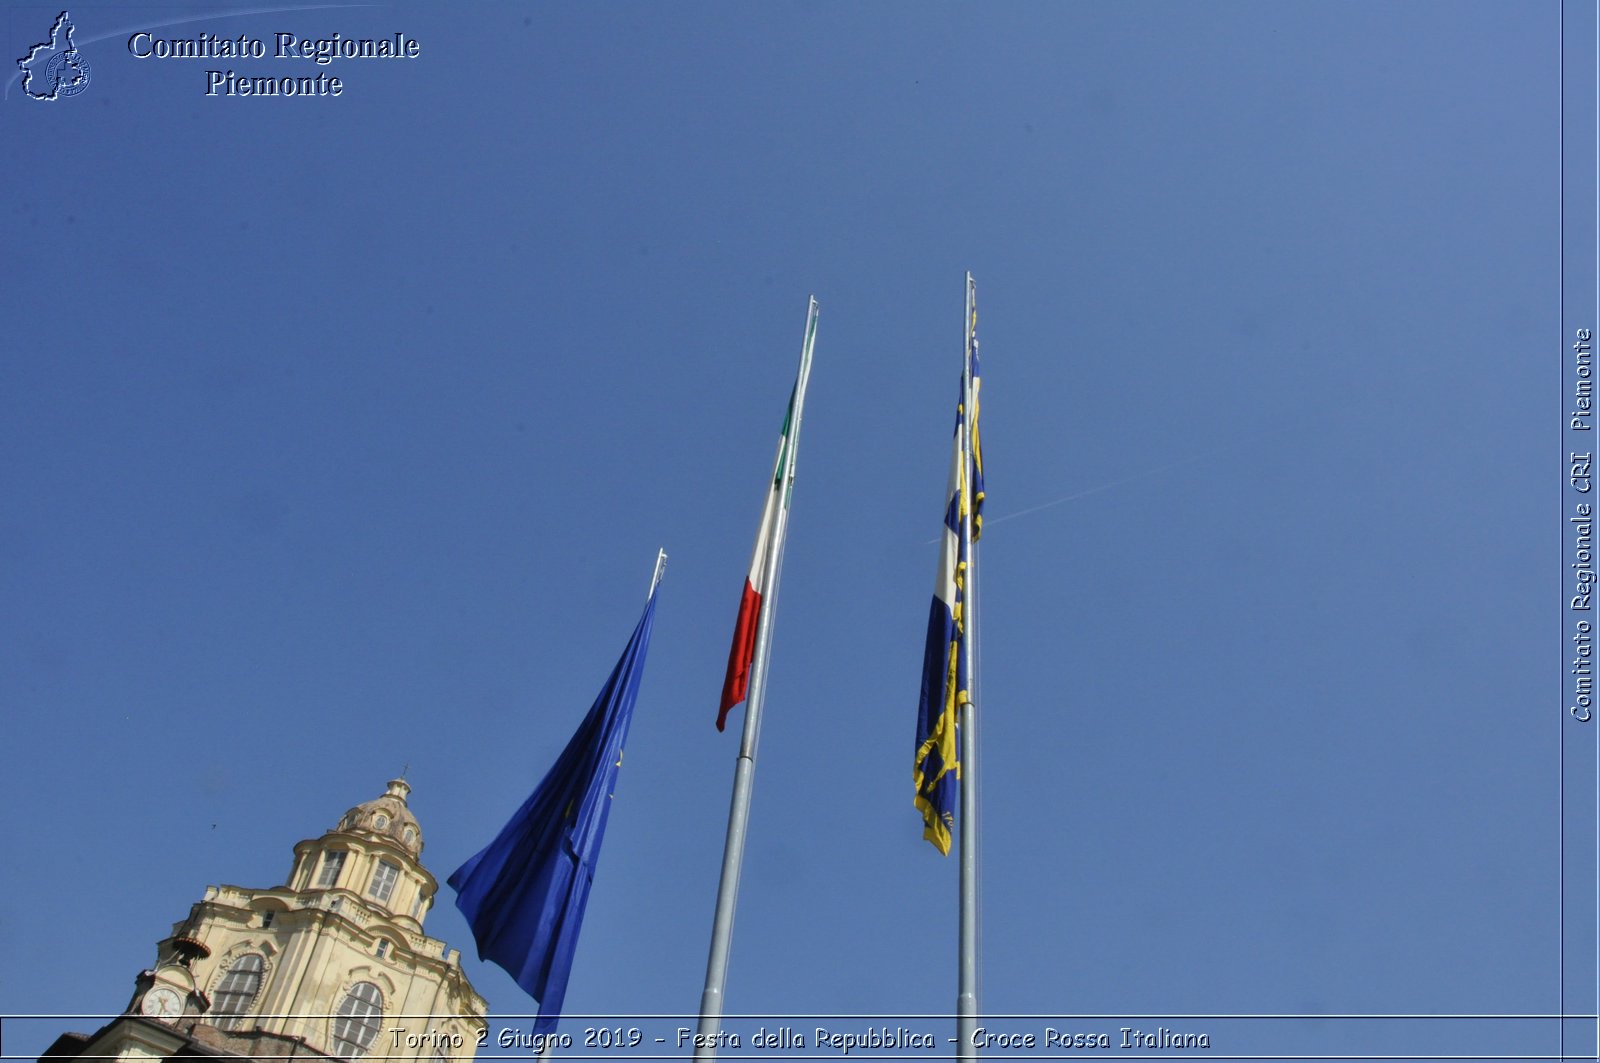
(386, 816)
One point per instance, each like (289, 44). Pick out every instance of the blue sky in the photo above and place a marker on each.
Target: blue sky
(339, 435)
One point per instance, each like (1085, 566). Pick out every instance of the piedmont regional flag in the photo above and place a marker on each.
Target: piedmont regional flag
(746, 629)
(944, 664)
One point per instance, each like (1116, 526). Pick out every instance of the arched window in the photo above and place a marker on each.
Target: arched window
(237, 990)
(357, 1021)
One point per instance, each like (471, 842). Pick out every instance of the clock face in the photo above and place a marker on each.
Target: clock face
(162, 1002)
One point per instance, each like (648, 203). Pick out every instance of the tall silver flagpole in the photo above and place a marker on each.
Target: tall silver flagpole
(967, 962)
(711, 1000)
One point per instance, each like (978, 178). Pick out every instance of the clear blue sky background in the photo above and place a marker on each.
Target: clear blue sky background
(340, 434)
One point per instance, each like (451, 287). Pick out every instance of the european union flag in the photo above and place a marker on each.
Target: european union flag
(524, 894)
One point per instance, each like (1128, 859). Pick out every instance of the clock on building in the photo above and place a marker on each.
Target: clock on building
(162, 1002)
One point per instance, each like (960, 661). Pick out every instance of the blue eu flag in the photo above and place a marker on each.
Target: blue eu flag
(525, 893)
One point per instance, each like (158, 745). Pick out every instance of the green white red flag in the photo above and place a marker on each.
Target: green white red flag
(769, 540)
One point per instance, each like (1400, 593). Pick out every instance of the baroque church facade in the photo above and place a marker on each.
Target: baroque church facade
(333, 964)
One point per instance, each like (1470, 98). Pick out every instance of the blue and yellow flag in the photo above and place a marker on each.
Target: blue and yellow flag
(944, 667)
(525, 893)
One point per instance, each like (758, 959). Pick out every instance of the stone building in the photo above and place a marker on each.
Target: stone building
(331, 964)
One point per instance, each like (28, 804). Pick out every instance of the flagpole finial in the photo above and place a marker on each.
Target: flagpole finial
(660, 570)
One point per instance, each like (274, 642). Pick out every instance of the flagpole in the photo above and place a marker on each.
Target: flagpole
(967, 947)
(660, 570)
(711, 999)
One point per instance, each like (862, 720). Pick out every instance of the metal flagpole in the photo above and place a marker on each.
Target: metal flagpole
(967, 961)
(711, 1000)
(660, 570)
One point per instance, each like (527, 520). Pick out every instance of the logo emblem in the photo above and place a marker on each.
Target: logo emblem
(56, 65)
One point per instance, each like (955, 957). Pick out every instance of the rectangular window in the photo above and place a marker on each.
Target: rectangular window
(332, 864)
(383, 948)
(383, 880)
(416, 905)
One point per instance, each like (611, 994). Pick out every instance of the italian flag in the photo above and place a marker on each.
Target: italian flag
(745, 629)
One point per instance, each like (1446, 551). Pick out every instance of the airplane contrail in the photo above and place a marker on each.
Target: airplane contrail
(991, 521)
(1095, 490)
